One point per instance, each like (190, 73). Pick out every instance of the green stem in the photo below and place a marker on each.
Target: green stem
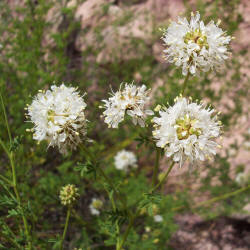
(215, 199)
(185, 83)
(6, 180)
(164, 178)
(5, 117)
(65, 226)
(4, 148)
(137, 213)
(222, 197)
(14, 179)
(130, 225)
(109, 181)
(156, 168)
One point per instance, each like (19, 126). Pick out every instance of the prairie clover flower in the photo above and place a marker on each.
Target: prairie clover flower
(158, 218)
(187, 130)
(95, 206)
(129, 100)
(125, 159)
(58, 116)
(194, 45)
(242, 179)
(68, 194)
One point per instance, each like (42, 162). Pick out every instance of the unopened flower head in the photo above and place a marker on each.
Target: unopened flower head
(125, 159)
(196, 46)
(68, 194)
(58, 116)
(130, 100)
(187, 130)
(95, 206)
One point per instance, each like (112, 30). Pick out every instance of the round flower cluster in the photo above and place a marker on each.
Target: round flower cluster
(194, 45)
(129, 100)
(58, 116)
(242, 179)
(125, 159)
(158, 218)
(95, 206)
(187, 130)
(68, 194)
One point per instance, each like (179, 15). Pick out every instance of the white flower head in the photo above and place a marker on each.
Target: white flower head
(130, 100)
(187, 130)
(194, 45)
(58, 116)
(242, 179)
(158, 218)
(95, 206)
(125, 159)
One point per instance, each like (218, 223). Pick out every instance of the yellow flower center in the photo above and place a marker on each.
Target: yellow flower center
(51, 115)
(197, 37)
(185, 128)
(97, 204)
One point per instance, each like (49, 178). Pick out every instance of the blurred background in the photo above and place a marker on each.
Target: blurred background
(96, 45)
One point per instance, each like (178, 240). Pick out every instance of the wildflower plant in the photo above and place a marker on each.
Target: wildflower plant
(134, 211)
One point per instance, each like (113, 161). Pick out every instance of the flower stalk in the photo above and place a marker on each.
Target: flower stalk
(65, 226)
(156, 168)
(185, 83)
(14, 178)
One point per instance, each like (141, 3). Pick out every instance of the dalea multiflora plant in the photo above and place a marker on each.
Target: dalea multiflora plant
(185, 133)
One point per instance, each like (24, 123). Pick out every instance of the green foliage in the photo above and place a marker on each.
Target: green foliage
(33, 56)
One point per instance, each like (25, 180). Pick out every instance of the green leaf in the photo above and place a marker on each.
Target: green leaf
(87, 168)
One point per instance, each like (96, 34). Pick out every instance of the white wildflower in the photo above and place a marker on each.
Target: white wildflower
(95, 206)
(129, 100)
(187, 131)
(125, 159)
(58, 116)
(242, 179)
(247, 145)
(196, 46)
(158, 218)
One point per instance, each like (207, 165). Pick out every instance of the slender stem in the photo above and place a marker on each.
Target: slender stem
(5, 117)
(6, 180)
(164, 177)
(125, 236)
(14, 179)
(109, 181)
(185, 83)
(65, 226)
(137, 213)
(215, 199)
(222, 197)
(4, 148)
(156, 168)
